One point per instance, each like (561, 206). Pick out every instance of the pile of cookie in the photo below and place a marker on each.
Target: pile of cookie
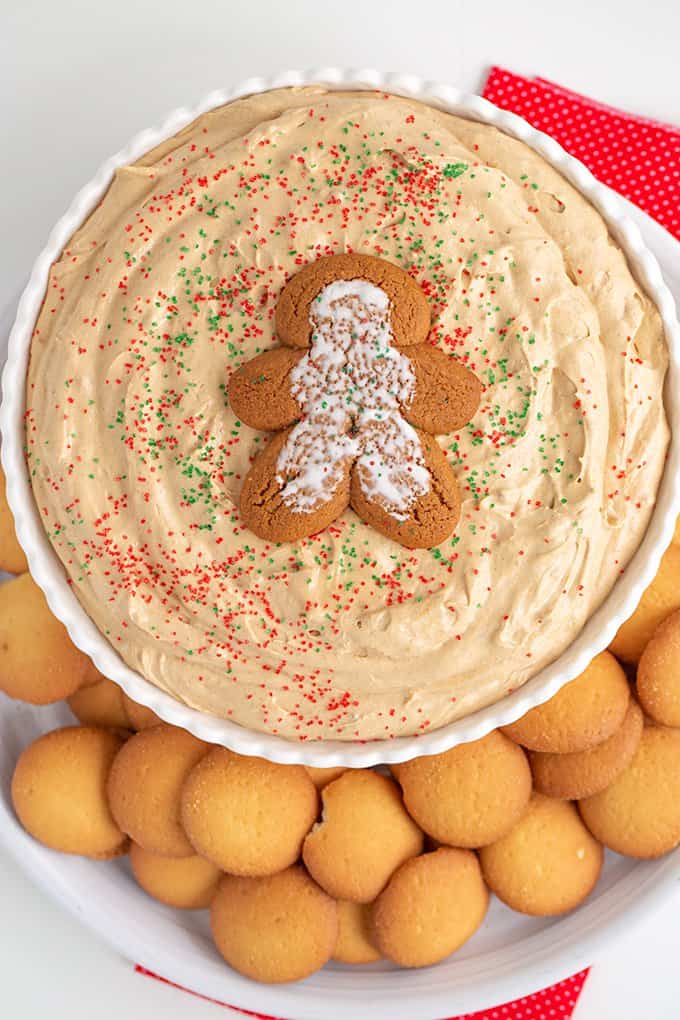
(300, 865)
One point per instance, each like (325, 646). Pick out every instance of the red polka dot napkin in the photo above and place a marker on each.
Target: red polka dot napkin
(555, 1003)
(637, 157)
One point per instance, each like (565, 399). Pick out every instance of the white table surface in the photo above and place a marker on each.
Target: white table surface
(77, 79)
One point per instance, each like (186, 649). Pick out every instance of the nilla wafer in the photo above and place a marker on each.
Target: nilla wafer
(470, 795)
(59, 791)
(38, 661)
(247, 815)
(323, 776)
(547, 864)
(658, 601)
(354, 943)
(432, 905)
(12, 556)
(658, 673)
(100, 704)
(583, 773)
(276, 928)
(364, 835)
(639, 813)
(145, 785)
(583, 713)
(187, 883)
(139, 716)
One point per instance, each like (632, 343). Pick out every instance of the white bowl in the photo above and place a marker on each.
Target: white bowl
(49, 574)
(510, 956)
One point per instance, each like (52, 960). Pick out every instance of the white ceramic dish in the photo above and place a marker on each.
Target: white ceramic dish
(509, 957)
(47, 569)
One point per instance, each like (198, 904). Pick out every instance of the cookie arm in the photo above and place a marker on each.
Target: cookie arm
(259, 391)
(447, 393)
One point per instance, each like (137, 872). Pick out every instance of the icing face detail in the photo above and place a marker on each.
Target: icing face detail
(351, 386)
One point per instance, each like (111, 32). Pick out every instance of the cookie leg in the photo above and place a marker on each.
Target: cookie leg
(297, 486)
(413, 500)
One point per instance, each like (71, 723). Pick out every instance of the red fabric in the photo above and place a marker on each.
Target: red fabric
(555, 1003)
(216, 1002)
(637, 157)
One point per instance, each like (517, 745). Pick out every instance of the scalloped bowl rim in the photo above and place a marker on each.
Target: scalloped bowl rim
(48, 572)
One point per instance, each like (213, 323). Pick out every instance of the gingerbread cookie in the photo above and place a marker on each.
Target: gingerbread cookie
(188, 883)
(278, 928)
(583, 773)
(145, 784)
(583, 713)
(247, 815)
(547, 864)
(38, 661)
(354, 943)
(432, 905)
(364, 835)
(658, 601)
(470, 795)
(658, 673)
(100, 704)
(355, 396)
(12, 556)
(59, 791)
(639, 813)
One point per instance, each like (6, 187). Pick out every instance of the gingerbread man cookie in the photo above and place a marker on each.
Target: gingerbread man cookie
(355, 396)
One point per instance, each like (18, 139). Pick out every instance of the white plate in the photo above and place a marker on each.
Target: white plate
(509, 957)
(599, 629)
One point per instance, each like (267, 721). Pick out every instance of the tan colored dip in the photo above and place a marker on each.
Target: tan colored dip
(137, 460)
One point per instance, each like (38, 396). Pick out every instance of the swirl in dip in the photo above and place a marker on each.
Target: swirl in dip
(137, 461)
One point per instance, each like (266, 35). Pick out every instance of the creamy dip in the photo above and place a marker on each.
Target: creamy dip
(137, 460)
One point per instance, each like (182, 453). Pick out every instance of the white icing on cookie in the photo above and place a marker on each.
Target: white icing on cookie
(351, 386)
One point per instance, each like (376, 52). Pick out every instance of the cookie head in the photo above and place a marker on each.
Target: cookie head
(409, 310)
(355, 397)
